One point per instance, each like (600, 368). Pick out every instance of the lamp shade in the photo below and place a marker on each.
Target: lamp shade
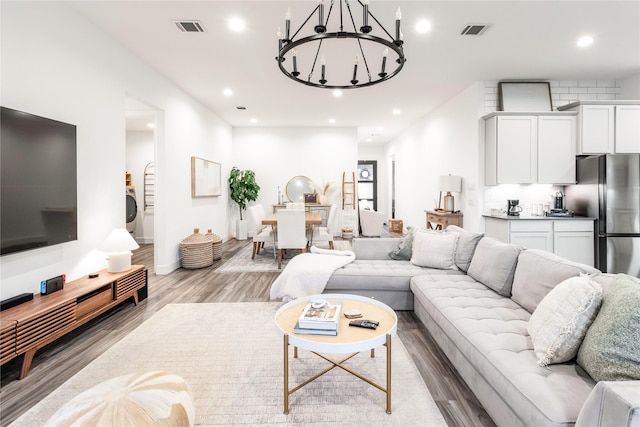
(450, 183)
(119, 240)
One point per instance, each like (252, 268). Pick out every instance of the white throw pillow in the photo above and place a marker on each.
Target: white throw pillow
(560, 322)
(434, 249)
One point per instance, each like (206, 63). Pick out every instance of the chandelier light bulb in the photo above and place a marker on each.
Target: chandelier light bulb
(398, 14)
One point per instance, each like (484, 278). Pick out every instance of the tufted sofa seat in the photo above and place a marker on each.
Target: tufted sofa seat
(473, 323)
(479, 316)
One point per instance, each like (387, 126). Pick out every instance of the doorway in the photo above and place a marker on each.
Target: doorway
(367, 184)
(140, 155)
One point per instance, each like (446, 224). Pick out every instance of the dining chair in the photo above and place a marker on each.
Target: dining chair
(325, 234)
(261, 233)
(292, 232)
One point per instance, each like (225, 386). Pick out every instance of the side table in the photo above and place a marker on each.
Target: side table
(442, 219)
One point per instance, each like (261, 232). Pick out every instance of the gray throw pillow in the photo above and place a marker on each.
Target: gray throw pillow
(466, 246)
(403, 251)
(610, 350)
(494, 264)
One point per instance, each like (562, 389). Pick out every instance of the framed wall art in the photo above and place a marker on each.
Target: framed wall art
(205, 178)
(524, 96)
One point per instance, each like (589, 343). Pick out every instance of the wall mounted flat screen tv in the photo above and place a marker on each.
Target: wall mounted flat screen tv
(38, 182)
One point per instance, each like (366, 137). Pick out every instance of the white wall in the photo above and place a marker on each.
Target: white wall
(630, 87)
(443, 142)
(139, 153)
(278, 154)
(49, 71)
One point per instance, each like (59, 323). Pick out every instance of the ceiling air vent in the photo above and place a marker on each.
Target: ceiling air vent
(190, 26)
(239, 107)
(474, 29)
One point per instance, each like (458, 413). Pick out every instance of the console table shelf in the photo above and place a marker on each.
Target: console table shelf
(30, 326)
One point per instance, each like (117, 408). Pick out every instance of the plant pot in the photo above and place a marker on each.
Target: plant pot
(241, 229)
(323, 199)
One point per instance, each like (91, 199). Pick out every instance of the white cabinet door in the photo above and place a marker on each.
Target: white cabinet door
(556, 150)
(533, 240)
(575, 246)
(596, 129)
(627, 129)
(516, 150)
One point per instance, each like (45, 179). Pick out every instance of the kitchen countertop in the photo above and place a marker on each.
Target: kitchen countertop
(538, 218)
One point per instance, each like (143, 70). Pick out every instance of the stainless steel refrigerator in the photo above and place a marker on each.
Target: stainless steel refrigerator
(608, 188)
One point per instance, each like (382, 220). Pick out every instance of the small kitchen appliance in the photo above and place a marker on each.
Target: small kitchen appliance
(513, 207)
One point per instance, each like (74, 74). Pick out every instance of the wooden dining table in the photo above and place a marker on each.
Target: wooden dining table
(310, 218)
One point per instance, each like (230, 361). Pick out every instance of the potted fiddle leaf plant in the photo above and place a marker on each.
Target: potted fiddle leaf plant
(243, 189)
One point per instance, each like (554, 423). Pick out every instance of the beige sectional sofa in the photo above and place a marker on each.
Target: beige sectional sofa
(479, 312)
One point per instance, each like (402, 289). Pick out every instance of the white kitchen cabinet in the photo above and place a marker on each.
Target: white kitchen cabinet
(607, 127)
(556, 149)
(627, 129)
(530, 148)
(572, 239)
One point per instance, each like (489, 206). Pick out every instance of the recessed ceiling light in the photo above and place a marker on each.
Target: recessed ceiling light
(332, 120)
(369, 139)
(396, 112)
(585, 41)
(423, 26)
(151, 125)
(337, 93)
(227, 92)
(236, 24)
(254, 120)
(380, 129)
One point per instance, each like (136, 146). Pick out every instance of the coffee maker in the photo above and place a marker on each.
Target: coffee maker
(513, 207)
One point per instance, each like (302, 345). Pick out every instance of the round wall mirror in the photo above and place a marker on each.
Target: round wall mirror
(297, 186)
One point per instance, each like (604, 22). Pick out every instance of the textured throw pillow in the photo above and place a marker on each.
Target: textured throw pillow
(465, 247)
(403, 251)
(559, 323)
(494, 263)
(434, 249)
(610, 350)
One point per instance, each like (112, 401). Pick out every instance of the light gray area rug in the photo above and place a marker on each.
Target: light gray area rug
(231, 356)
(265, 260)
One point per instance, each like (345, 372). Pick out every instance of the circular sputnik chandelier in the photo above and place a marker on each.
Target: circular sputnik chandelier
(331, 59)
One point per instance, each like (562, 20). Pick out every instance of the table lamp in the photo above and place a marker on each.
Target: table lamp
(450, 183)
(118, 245)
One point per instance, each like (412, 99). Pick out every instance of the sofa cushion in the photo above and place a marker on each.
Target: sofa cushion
(562, 318)
(540, 271)
(403, 251)
(490, 333)
(434, 249)
(610, 350)
(466, 246)
(494, 263)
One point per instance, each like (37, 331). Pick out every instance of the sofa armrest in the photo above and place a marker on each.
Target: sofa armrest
(611, 403)
(374, 248)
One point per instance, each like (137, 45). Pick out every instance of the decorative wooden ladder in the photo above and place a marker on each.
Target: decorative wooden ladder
(348, 190)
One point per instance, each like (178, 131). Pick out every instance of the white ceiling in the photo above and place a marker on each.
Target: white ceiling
(527, 40)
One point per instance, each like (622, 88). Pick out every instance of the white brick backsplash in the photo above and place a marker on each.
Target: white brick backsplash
(578, 90)
(587, 83)
(606, 83)
(562, 92)
(568, 83)
(606, 96)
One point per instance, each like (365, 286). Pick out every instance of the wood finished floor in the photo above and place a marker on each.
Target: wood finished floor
(60, 360)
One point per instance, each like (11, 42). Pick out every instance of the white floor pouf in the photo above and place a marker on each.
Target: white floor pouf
(143, 399)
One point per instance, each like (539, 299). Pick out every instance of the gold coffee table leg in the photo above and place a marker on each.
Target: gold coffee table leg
(286, 374)
(388, 374)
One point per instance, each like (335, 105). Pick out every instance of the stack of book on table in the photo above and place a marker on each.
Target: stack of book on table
(319, 321)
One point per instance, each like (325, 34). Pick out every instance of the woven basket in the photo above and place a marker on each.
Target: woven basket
(196, 250)
(216, 242)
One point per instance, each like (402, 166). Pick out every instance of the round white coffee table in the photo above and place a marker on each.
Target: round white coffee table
(348, 340)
